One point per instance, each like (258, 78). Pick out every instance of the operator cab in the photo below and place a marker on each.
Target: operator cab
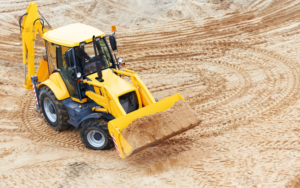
(71, 52)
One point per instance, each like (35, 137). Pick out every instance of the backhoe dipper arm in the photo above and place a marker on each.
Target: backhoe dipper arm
(32, 24)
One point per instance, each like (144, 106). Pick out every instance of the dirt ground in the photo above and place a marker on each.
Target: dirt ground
(153, 127)
(235, 64)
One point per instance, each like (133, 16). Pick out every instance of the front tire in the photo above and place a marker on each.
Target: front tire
(94, 135)
(54, 111)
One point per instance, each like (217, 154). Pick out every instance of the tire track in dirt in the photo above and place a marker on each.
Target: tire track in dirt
(229, 116)
(217, 117)
(237, 84)
(40, 130)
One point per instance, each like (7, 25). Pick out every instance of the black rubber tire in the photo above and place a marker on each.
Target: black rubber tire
(62, 115)
(99, 125)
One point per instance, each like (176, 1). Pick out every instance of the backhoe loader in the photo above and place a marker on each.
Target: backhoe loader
(79, 83)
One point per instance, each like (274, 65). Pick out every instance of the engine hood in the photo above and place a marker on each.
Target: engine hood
(117, 85)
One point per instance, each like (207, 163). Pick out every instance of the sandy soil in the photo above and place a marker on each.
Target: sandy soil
(236, 65)
(149, 129)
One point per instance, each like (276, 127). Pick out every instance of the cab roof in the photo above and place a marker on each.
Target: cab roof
(72, 35)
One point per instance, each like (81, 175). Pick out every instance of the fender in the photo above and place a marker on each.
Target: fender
(94, 116)
(57, 86)
(89, 117)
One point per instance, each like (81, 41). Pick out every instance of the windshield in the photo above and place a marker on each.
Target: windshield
(85, 57)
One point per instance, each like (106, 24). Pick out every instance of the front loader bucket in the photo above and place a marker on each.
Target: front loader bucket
(116, 126)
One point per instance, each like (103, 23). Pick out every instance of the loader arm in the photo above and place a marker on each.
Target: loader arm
(31, 25)
(145, 94)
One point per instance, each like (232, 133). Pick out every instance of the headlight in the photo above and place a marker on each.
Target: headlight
(78, 75)
(120, 59)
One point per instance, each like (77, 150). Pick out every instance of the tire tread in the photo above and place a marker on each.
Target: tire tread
(99, 123)
(63, 115)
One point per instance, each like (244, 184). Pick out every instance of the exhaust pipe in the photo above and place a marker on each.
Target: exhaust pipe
(98, 60)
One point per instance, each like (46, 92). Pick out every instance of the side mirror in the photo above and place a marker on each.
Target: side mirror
(113, 42)
(120, 62)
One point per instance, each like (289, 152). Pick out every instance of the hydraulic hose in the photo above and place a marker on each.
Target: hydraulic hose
(40, 21)
(20, 24)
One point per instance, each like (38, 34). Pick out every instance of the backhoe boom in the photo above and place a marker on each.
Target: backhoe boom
(31, 24)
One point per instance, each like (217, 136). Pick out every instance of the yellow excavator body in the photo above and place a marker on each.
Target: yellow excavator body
(98, 94)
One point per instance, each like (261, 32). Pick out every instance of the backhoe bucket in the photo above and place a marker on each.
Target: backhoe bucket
(116, 126)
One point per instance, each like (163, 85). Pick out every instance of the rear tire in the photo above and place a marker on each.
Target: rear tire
(94, 135)
(54, 111)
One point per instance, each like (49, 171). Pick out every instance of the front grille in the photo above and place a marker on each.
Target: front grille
(129, 102)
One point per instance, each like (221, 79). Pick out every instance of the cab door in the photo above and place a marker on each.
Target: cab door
(68, 71)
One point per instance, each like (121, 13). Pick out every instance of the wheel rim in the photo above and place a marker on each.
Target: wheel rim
(51, 114)
(96, 138)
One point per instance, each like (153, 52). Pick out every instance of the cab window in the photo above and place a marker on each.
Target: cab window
(85, 57)
(51, 54)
